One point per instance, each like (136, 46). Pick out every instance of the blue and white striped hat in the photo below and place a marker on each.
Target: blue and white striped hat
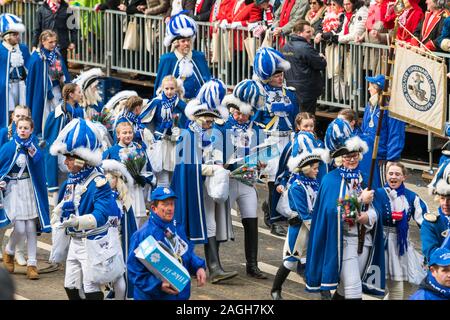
(267, 62)
(305, 151)
(246, 95)
(10, 23)
(441, 182)
(340, 139)
(209, 98)
(180, 26)
(79, 138)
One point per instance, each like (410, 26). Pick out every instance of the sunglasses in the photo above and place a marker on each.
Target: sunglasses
(350, 157)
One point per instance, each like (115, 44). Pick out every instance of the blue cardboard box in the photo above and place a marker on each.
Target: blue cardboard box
(162, 264)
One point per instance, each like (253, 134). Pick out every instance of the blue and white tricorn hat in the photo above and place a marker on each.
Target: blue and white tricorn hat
(340, 139)
(267, 62)
(305, 151)
(441, 182)
(247, 95)
(79, 138)
(180, 26)
(208, 101)
(118, 97)
(10, 23)
(85, 79)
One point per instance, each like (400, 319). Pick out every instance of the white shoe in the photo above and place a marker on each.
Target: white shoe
(20, 258)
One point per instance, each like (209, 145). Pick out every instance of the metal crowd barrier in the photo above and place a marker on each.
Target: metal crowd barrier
(101, 38)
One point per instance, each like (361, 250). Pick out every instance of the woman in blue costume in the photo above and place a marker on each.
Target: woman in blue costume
(302, 192)
(121, 184)
(14, 57)
(333, 260)
(397, 205)
(47, 73)
(183, 63)
(164, 116)
(392, 135)
(22, 176)
(200, 156)
(277, 116)
(64, 113)
(88, 82)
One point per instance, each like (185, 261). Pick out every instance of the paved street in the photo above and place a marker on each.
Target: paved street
(50, 286)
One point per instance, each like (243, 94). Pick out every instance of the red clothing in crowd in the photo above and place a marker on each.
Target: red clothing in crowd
(429, 24)
(245, 14)
(409, 20)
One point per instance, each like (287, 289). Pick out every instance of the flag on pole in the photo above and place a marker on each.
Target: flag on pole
(419, 89)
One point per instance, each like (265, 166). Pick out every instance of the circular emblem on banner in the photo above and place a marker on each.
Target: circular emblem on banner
(419, 88)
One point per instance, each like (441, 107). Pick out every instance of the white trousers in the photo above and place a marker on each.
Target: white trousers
(17, 94)
(24, 229)
(246, 198)
(210, 214)
(76, 267)
(350, 285)
(163, 178)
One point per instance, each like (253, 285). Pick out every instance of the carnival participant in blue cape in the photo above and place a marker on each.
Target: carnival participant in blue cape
(396, 205)
(130, 114)
(200, 156)
(301, 196)
(182, 62)
(304, 123)
(88, 82)
(25, 203)
(164, 116)
(436, 285)
(277, 116)
(14, 57)
(121, 183)
(333, 261)
(170, 233)
(56, 121)
(436, 225)
(126, 150)
(392, 135)
(240, 135)
(85, 206)
(116, 105)
(47, 74)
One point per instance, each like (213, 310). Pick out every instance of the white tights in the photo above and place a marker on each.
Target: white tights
(24, 229)
(120, 288)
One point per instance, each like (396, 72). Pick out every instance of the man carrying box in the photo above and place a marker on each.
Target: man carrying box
(162, 227)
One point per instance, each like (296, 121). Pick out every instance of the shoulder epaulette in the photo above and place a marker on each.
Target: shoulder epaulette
(100, 181)
(430, 217)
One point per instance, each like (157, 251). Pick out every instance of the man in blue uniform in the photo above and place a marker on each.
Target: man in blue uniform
(165, 230)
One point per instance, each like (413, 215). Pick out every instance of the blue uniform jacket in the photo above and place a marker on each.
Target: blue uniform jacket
(146, 285)
(55, 122)
(156, 120)
(324, 262)
(168, 65)
(5, 57)
(8, 154)
(433, 234)
(39, 87)
(430, 289)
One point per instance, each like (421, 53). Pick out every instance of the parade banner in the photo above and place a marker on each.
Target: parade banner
(419, 89)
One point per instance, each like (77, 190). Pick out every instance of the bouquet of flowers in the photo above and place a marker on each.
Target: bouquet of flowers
(350, 208)
(105, 118)
(247, 174)
(134, 161)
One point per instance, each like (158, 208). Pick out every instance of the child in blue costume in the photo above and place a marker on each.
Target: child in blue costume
(436, 225)
(121, 184)
(397, 205)
(162, 226)
(47, 73)
(302, 192)
(333, 260)
(22, 176)
(14, 57)
(183, 63)
(130, 114)
(85, 211)
(66, 111)
(120, 152)
(164, 115)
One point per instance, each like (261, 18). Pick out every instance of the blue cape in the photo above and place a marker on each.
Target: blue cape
(8, 154)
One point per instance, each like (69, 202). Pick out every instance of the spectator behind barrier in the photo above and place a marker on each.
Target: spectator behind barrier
(315, 15)
(289, 12)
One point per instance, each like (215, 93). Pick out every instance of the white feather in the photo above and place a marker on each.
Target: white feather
(86, 75)
(192, 107)
(356, 144)
(115, 166)
(442, 187)
(119, 96)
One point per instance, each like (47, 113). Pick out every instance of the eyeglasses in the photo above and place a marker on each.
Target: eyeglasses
(313, 3)
(349, 157)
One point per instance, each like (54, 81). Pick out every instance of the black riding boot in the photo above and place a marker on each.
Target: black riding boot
(251, 248)
(97, 295)
(72, 294)
(280, 278)
(216, 272)
(275, 228)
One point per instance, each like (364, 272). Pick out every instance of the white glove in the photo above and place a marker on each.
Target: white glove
(235, 25)
(72, 221)
(224, 24)
(2, 185)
